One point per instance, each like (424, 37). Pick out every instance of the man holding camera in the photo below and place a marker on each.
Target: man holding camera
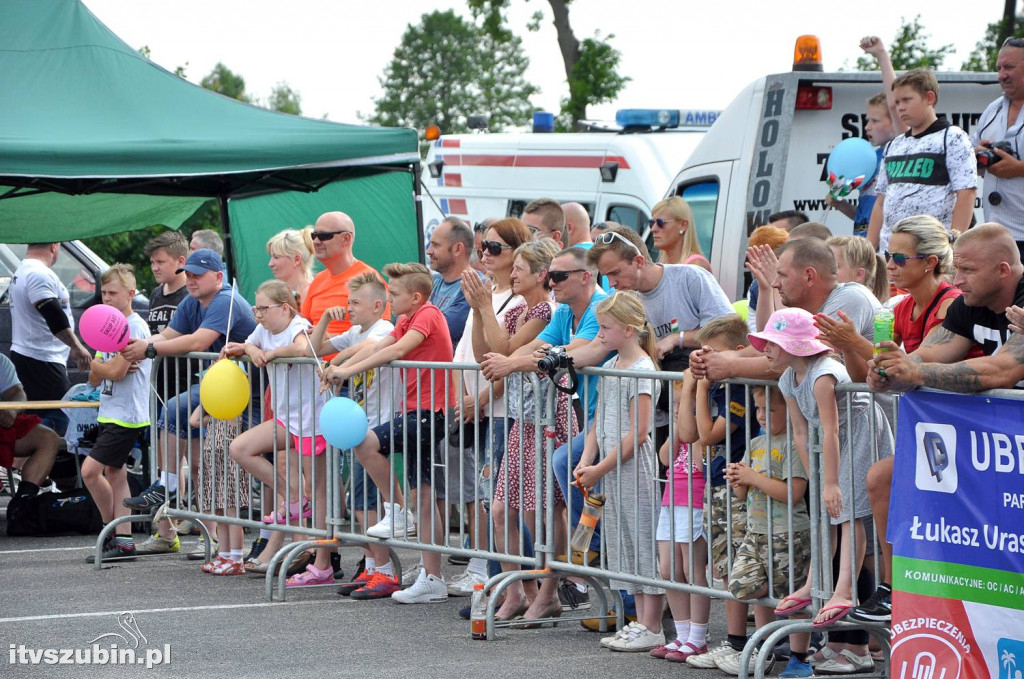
(997, 143)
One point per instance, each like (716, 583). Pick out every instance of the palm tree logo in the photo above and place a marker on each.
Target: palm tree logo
(126, 621)
(1010, 660)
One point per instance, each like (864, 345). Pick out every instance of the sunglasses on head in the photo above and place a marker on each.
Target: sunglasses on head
(610, 237)
(493, 247)
(562, 276)
(324, 236)
(660, 223)
(900, 259)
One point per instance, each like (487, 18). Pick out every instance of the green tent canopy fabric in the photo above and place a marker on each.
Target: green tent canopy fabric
(381, 226)
(97, 139)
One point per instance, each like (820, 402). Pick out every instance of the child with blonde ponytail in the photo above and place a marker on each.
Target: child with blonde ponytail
(627, 468)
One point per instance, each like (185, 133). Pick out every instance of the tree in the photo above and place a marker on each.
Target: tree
(284, 99)
(591, 66)
(445, 69)
(983, 56)
(225, 81)
(909, 49)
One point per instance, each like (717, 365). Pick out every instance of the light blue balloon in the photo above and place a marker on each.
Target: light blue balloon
(852, 158)
(343, 423)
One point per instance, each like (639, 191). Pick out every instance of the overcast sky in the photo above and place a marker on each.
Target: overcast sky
(678, 54)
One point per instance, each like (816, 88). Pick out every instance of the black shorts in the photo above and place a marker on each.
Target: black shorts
(114, 444)
(406, 433)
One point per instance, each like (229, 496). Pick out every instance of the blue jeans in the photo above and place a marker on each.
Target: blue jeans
(562, 466)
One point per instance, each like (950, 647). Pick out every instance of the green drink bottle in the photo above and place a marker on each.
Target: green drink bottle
(885, 325)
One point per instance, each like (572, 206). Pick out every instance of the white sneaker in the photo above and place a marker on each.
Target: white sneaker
(709, 660)
(413, 575)
(463, 585)
(426, 590)
(397, 522)
(637, 640)
(730, 664)
(605, 641)
(846, 662)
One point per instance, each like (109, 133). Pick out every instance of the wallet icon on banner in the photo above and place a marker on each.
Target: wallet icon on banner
(936, 457)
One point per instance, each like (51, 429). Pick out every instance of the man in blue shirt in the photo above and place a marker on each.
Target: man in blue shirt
(449, 251)
(573, 326)
(199, 324)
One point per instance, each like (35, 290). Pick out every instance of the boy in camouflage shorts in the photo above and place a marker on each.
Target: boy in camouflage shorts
(767, 471)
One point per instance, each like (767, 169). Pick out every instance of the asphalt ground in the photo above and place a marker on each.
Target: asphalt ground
(223, 627)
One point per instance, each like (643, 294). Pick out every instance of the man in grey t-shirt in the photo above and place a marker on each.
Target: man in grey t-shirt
(805, 278)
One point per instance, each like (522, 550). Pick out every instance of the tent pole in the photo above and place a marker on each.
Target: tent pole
(225, 228)
(418, 202)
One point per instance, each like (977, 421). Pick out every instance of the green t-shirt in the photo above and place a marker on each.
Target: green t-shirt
(776, 465)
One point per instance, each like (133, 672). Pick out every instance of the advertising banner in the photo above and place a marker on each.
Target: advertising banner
(956, 523)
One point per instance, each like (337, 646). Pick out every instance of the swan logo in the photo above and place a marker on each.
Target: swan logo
(127, 646)
(131, 638)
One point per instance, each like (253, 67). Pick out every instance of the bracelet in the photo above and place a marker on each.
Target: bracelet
(682, 334)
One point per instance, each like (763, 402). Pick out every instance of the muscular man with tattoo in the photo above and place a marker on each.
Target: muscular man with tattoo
(990, 273)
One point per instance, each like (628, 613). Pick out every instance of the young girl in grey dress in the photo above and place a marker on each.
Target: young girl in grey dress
(790, 342)
(627, 469)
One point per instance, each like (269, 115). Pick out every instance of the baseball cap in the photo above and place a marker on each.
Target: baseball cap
(201, 261)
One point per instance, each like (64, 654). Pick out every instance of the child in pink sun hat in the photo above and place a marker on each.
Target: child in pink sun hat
(848, 439)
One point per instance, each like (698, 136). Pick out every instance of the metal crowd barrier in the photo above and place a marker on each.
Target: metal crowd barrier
(460, 475)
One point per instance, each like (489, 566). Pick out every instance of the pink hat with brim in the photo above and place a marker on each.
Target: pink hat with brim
(793, 330)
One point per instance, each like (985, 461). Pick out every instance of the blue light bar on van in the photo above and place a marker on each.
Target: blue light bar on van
(665, 118)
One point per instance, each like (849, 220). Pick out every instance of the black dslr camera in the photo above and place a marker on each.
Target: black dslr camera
(989, 158)
(555, 361)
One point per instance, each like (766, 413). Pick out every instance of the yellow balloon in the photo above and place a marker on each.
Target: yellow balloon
(224, 390)
(742, 309)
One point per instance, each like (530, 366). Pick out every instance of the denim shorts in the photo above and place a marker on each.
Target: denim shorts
(415, 434)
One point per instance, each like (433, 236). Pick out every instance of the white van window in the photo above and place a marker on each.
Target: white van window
(627, 215)
(703, 199)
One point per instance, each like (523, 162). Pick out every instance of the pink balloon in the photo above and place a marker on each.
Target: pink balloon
(104, 328)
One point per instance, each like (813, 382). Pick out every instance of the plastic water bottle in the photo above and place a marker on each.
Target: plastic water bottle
(478, 613)
(593, 507)
(885, 326)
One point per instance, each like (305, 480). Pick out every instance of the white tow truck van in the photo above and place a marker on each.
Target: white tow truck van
(767, 153)
(617, 174)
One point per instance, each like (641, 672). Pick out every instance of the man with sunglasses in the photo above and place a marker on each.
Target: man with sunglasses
(334, 234)
(546, 219)
(1003, 121)
(448, 253)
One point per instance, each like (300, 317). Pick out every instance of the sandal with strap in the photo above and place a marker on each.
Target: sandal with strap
(228, 567)
(311, 576)
(296, 511)
(209, 566)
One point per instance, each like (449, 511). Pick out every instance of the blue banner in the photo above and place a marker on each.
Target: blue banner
(958, 482)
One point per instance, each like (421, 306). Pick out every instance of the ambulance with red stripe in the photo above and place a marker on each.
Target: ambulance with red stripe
(618, 173)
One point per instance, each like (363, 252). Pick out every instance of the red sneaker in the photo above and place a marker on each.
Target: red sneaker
(685, 651)
(357, 583)
(380, 586)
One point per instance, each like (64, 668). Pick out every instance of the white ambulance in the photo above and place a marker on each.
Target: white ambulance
(618, 175)
(767, 152)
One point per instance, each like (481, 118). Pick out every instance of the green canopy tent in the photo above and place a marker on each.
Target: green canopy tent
(96, 139)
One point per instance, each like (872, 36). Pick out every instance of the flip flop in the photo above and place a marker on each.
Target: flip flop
(843, 611)
(801, 604)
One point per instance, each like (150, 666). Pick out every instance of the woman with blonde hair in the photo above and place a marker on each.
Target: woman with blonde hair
(291, 259)
(675, 233)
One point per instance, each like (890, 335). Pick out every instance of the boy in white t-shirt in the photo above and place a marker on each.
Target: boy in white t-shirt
(123, 416)
(374, 390)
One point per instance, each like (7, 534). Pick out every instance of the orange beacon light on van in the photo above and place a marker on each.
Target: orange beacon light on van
(807, 54)
(432, 133)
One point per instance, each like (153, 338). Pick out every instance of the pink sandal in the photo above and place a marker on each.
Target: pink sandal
(297, 510)
(311, 576)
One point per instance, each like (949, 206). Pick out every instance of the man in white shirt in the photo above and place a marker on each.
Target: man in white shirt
(43, 331)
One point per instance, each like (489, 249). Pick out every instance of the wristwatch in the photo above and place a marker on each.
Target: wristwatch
(150, 350)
